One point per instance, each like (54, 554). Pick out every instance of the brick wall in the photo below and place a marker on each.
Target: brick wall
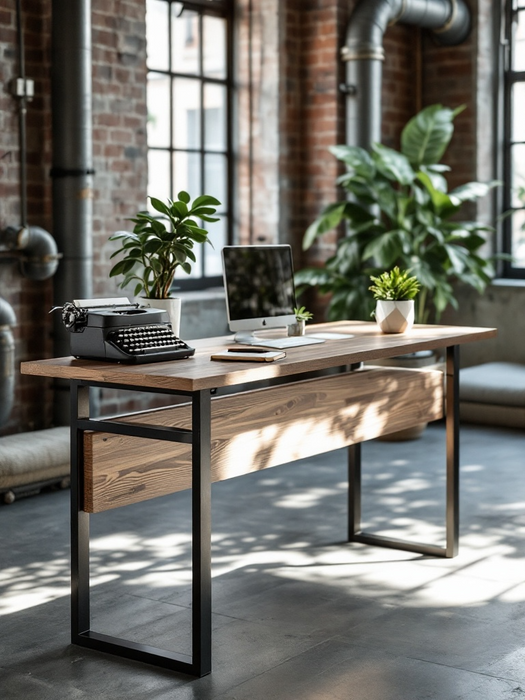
(30, 300)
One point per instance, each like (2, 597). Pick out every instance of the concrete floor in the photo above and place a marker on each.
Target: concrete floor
(298, 613)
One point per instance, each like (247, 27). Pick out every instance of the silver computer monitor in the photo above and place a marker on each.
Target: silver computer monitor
(260, 292)
(259, 285)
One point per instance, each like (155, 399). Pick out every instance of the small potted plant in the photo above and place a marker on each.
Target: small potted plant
(301, 317)
(394, 293)
(159, 245)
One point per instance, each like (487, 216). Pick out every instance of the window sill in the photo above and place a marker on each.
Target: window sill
(507, 282)
(210, 294)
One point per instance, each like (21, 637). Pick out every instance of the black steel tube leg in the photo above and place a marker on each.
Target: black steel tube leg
(80, 613)
(452, 426)
(201, 534)
(354, 490)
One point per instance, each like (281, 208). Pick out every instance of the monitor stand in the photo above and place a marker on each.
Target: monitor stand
(247, 338)
(250, 338)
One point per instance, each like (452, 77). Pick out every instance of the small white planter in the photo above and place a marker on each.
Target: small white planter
(297, 328)
(171, 305)
(395, 316)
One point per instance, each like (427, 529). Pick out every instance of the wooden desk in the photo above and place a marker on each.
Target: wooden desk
(238, 417)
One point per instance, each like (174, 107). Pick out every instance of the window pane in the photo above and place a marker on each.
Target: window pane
(186, 113)
(518, 48)
(159, 174)
(212, 260)
(187, 173)
(214, 117)
(214, 47)
(157, 41)
(184, 41)
(518, 172)
(518, 238)
(158, 110)
(215, 178)
(518, 110)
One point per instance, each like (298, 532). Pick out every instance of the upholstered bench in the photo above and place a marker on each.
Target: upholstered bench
(30, 461)
(493, 393)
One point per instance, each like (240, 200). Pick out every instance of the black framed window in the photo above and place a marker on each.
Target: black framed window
(514, 162)
(189, 59)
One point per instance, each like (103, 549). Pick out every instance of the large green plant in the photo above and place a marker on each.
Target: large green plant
(160, 243)
(399, 212)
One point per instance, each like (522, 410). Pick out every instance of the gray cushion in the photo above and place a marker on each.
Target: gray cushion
(29, 457)
(498, 383)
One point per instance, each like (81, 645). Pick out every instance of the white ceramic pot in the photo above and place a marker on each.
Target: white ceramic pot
(395, 316)
(171, 305)
(297, 328)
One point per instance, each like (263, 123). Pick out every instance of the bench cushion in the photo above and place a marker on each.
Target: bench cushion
(27, 458)
(493, 394)
(499, 383)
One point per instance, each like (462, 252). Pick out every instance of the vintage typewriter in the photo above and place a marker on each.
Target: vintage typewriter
(115, 329)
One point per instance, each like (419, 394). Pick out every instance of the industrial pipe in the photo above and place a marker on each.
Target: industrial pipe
(363, 52)
(39, 258)
(7, 360)
(72, 171)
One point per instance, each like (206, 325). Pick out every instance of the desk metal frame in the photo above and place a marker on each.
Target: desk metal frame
(199, 663)
(355, 534)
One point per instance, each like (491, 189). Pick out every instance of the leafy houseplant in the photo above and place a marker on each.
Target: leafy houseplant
(394, 293)
(399, 212)
(159, 245)
(394, 286)
(301, 317)
(301, 314)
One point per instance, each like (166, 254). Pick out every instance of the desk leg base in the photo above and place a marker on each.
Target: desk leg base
(405, 545)
(139, 652)
(355, 534)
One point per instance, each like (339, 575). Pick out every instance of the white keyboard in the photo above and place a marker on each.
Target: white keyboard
(294, 341)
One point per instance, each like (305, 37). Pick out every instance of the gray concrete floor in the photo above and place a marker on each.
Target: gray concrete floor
(298, 613)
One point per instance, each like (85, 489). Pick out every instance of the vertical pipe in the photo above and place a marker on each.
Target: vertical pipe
(22, 112)
(364, 53)
(7, 361)
(72, 169)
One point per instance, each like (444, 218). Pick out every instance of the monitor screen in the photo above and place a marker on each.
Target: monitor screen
(260, 291)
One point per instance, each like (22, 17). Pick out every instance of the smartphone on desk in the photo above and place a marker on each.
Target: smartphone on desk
(248, 355)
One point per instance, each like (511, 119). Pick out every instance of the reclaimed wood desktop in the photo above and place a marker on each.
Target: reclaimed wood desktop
(238, 417)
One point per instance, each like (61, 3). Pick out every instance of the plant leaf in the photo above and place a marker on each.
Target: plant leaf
(205, 200)
(393, 165)
(426, 136)
(159, 206)
(357, 159)
(329, 219)
(472, 191)
(386, 248)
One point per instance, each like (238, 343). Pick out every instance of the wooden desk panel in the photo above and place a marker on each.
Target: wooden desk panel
(254, 430)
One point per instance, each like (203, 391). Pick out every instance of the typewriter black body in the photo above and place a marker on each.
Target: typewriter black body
(120, 331)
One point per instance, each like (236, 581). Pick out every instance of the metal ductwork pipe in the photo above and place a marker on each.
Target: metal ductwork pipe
(7, 360)
(72, 170)
(449, 21)
(39, 259)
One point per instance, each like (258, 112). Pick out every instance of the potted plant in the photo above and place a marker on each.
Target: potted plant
(301, 317)
(394, 293)
(159, 245)
(398, 211)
